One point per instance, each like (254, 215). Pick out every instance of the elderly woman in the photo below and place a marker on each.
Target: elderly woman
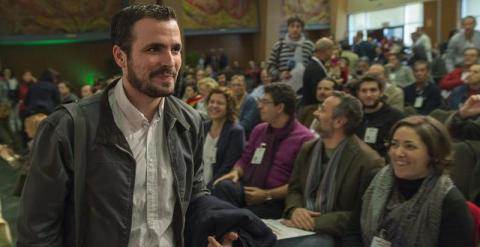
(224, 138)
(412, 202)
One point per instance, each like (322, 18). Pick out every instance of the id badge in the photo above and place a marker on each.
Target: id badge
(380, 242)
(418, 102)
(371, 135)
(258, 156)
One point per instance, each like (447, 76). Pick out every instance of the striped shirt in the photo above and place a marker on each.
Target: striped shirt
(281, 53)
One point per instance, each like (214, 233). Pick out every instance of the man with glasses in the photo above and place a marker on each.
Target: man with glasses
(259, 180)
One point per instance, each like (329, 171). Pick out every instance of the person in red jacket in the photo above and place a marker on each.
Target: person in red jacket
(457, 76)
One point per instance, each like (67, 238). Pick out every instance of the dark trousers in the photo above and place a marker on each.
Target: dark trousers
(232, 192)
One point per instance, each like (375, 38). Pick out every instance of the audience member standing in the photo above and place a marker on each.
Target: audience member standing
(293, 51)
(316, 70)
(466, 38)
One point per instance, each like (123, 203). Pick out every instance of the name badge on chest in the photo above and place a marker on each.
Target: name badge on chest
(371, 135)
(418, 102)
(259, 152)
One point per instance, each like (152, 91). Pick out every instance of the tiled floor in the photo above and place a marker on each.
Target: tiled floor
(8, 177)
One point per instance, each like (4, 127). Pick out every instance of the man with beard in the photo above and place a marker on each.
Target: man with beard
(330, 174)
(142, 156)
(378, 116)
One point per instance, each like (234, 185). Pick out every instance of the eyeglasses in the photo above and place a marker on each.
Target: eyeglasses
(264, 102)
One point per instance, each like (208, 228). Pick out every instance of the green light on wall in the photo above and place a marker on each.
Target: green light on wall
(41, 42)
(89, 78)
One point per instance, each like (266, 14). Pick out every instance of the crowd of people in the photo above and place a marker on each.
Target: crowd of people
(365, 145)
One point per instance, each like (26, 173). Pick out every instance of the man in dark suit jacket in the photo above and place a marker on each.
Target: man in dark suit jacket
(316, 70)
(330, 174)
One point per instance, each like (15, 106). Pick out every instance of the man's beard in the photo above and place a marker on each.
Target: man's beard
(145, 86)
(374, 106)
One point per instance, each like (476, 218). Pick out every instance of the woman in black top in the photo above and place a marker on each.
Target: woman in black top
(411, 202)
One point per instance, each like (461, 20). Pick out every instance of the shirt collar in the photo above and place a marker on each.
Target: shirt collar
(129, 111)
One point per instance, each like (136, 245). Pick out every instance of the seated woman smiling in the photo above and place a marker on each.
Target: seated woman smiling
(224, 138)
(412, 202)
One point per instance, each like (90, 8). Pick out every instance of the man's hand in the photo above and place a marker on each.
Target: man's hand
(254, 195)
(232, 175)
(471, 107)
(304, 219)
(228, 240)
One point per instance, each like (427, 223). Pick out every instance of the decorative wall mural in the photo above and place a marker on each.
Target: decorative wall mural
(313, 12)
(215, 14)
(45, 17)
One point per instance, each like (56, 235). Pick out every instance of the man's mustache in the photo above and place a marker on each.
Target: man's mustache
(164, 71)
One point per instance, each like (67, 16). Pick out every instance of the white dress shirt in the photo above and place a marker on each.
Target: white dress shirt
(153, 195)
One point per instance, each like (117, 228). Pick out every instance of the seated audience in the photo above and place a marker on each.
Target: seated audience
(224, 138)
(424, 95)
(458, 76)
(44, 94)
(86, 91)
(399, 74)
(204, 85)
(265, 79)
(191, 95)
(259, 179)
(330, 174)
(412, 202)
(464, 124)
(462, 92)
(64, 88)
(462, 40)
(378, 116)
(394, 94)
(248, 115)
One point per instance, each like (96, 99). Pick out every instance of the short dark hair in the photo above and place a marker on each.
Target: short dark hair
(421, 62)
(434, 135)
(295, 18)
(50, 75)
(282, 93)
(370, 78)
(123, 21)
(350, 108)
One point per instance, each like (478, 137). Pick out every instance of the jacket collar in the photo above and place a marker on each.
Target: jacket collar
(108, 131)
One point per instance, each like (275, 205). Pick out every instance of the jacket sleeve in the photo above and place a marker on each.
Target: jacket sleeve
(198, 187)
(464, 128)
(46, 191)
(234, 149)
(295, 197)
(397, 100)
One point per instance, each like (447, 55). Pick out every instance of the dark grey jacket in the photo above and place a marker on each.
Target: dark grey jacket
(46, 212)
